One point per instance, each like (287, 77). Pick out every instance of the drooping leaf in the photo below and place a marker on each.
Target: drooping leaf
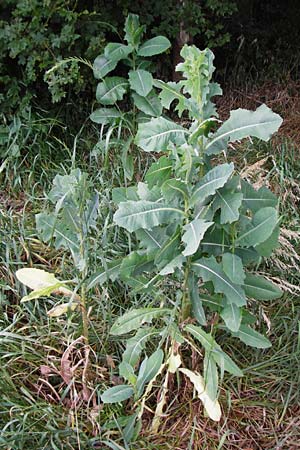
(140, 81)
(242, 123)
(251, 337)
(134, 264)
(136, 344)
(149, 105)
(210, 270)
(159, 172)
(232, 317)
(211, 346)
(110, 272)
(213, 180)
(144, 214)
(61, 309)
(212, 407)
(255, 200)
(169, 92)
(114, 51)
(259, 229)
(194, 232)
(233, 268)
(102, 66)
(111, 90)
(196, 301)
(135, 318)
(117, 394)
(105, 116)
(210, 375)
(155, 136)
(154, 46)
(259, 288)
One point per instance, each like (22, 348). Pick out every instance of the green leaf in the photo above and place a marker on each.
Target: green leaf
(196, 301)
(242, 123)
(252, 337)
(135, 318)
(149, 105)
(149, 369)
(133, 30)
(144, 214)
(134, 264)
(175, 263)
(261, 289)
(123, 194)
(140, 81)
(154, 46)
(102, 66)
(266, 248)
(114, 51)
(194, 232)
(255, 200)
(168, 251)
(126, 371)
(111, 272)
(117, 394)
(232, 317)
(136, 344)
(229, 203)
(105, 116)
(156, 135)
(111, 90)
(233, 268)
(173, 189)
(171, 91)
(210, 270)
(211, 346)
(159, 172)
(259, 229)
(151, 239)
(213, 180)
(210, 375)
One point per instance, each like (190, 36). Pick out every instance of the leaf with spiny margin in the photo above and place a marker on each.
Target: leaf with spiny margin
(257, 199)
(114, 51)
(213, 180)
(242, 123)
(133, 319)
(150, 104)
(144, 214)
(111, 90)
(159, 172)
(229, 203)
(259, 288)
(232, 317)
(169, 92)
(110, 272)
(156, 135)
(196, 301)
(259, 229)
(211, 346)
(194, 232)
(175, 263)
(154, 46)
(140, 81)
(210, 270)
(266, 248)
(102, 66)
(233, 268)
(105, 116)
(168, 251)
(136, 344)
(251, 337)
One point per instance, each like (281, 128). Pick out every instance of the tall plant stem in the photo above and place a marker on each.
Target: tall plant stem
(84, 315)
(186, 301)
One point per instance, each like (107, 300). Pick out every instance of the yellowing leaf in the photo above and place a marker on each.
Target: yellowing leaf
(59, 310)
(174, 363)
(212, 407)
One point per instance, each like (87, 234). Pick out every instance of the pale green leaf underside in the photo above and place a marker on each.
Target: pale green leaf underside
(156, 135)
(117, 394)
(194, 232)
(135, 318)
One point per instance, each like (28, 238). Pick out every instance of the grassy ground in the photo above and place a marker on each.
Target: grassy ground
(45, 400)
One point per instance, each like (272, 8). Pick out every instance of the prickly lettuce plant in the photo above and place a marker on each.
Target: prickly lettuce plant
(126, 101)
(70, 226)
(200, 231)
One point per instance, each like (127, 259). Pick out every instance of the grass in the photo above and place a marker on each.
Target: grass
(48, 402)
